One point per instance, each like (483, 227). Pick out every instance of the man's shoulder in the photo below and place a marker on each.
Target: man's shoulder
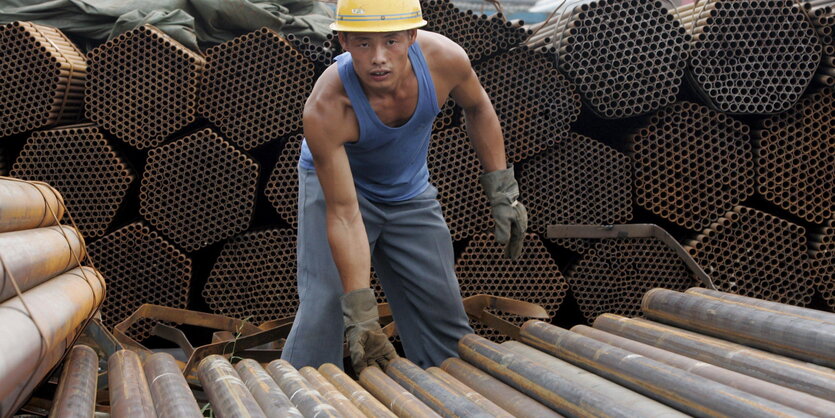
(437, 47)
(328, 100)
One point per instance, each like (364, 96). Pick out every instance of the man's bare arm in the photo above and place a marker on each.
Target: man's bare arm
(324, 124)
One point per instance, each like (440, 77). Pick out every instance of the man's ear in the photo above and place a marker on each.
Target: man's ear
(343, 39)
(412, 36)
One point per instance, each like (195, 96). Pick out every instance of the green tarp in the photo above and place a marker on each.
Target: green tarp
(194, 23)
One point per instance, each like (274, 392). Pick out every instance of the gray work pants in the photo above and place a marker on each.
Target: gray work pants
(411, 250)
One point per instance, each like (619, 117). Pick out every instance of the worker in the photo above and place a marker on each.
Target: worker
(364, 191)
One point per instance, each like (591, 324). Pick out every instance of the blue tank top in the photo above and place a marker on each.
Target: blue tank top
(388, 164)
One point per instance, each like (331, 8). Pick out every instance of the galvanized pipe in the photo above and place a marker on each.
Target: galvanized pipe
(366, 402)
(813, 314)
(437, 395)
(301, 393)
(169, 389)
(58, 308)
(272, 400)
(685, 391)
(562, 395)
(806, 377)
(330, 393)
(792, 398)
(469, 393)
(508, 398)
(129, 393)
(27, 205)
(36, 255)
(797, 337)
(76, 396)
(227, 393)
(394, 396)
(594, 383)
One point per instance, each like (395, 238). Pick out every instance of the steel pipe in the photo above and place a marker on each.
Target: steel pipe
(169, 389)
(685, 391)
(309, 401)
(394, 396)
(227, 393)
(272, 400)
(76, 396)
(813, 314)
(129, 393)
(797, 337)
(330, 393)
(469, 393)
(366, 402)
(28, 205)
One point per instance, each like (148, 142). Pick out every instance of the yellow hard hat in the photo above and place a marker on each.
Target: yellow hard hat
(377, 15)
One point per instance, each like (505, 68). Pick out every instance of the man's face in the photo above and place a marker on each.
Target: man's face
(381, 59)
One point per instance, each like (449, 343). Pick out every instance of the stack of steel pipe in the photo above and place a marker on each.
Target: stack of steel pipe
(579, 181)
(142, 86)
(615, 273)
(321, 54)
(822, 15)
(254, 88)
(255, 276)
(141, 267)
(794, 151)
(822, 255)
(534, 276)
(692, 164)
(755, 254)
(626, 57)
(532, 119)
(46, 293)
(751, 56)
(480, 36)
(282, 189)
(455, 169)
(198, 190)
(78, 161)
(43, 78)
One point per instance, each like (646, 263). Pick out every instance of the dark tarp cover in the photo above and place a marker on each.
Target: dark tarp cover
(190, 22)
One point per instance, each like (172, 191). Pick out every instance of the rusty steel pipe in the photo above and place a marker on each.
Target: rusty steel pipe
(538, 382)
(508, 398)
(36, 255)
(76, 396)
(59, 306)
(685, 391)
(129, 393)
(792, 398)
(394, 396)
(169, 389)
(813, 314)
(27, 205)
(309, 401)
(805, 339)
(366, 402)
(469, 393)
(226, 391)
(331, 394)
(806, 377)
(273, 402)
(594, 383)
(437, 395)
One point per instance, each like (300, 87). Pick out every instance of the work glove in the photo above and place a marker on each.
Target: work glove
(510, 216)
(367, 343)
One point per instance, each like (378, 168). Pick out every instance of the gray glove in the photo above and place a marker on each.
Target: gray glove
(367, 343)
(510, 216)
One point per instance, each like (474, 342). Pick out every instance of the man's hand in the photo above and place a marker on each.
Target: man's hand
(367, 343)
(510, 216)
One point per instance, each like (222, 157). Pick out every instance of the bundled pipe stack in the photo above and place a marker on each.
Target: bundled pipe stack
(78, 160)
(141, 267)
(752, 253)
(692, 164)
(627, 58)
(480, 36)
(199, 190)
(254, 276)
(142, 86)
(239, 83)
(752, 56)
(614, 274)
(822, 15)
(47, 292)
(822, 255)
(43, 78)
(322, 54)
(578, 181)
(283, 187)
(794, 152)
(533, 276)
